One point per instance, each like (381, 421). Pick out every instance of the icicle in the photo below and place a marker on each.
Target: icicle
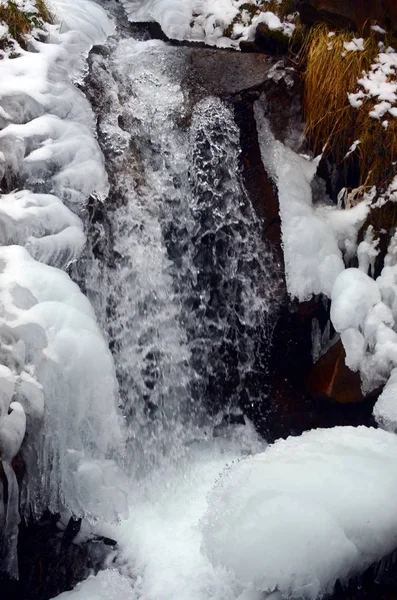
(11, 520)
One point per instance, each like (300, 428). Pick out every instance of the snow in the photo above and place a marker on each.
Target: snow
(385, 409)
(63, 348)
(206, 20)
(378, 29)
(353, 294)
(12, 431)
(379, 85)
(317, 239)
(57, 378)
(308, 511)
(43, 224)
(345, 224)
(367, 251)
(364, 312)
(356, 44)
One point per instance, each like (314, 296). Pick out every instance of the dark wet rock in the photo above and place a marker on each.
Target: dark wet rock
(270, 41)
(244, 76)
(216, 72)
(261, 188)
(50, 560)
(352, 14)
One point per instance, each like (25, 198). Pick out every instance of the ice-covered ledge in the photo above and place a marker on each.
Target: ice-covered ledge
(56, 372)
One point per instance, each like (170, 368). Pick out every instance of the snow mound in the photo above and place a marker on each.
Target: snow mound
(306, 512)
(107, 585)
(43, 224)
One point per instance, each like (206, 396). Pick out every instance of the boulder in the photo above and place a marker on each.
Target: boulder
(216, 72)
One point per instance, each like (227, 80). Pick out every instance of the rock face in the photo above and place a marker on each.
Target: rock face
(331, 379)
(353, 14)
(219, 72)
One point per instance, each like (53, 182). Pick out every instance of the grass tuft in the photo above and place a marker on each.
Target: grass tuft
(21, 23)
(330, 73)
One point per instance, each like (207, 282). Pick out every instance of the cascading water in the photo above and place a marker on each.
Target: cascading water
(185, 293)
(133, 438)
(180, 280)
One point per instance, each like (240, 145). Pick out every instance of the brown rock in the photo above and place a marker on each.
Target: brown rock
(216, 72)
(330, 378)
(353, 14)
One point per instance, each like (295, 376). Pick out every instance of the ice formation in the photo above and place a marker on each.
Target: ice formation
(364, 312)
(314, 238)
(308, 511)
(57, 376)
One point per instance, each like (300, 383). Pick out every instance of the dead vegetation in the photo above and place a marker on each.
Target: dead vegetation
(330, 73)
(21, 23)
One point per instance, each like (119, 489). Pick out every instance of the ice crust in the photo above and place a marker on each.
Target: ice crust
(58, 391)
(306, 512)
(228, 524)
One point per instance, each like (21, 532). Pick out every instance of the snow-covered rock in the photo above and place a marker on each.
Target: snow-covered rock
(207, 20)
(306, 512)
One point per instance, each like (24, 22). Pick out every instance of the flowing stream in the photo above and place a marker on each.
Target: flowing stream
(181, 283)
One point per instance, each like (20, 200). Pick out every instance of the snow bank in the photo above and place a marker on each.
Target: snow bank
(57, 377)
(313, 237)
(308, 511)
(206, 20)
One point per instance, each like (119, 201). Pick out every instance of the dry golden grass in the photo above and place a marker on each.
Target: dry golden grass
(43, 12)
(332, 124)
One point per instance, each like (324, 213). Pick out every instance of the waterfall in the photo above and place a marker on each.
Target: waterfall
(181, 281)
(185, 296)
